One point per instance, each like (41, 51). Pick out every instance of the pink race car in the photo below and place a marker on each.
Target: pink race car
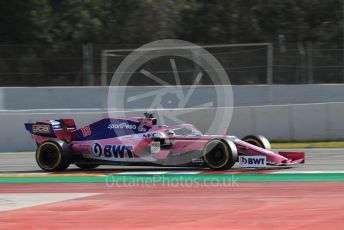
(140, 141)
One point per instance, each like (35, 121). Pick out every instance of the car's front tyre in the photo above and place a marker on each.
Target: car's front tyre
(220, 154)
(53, 155)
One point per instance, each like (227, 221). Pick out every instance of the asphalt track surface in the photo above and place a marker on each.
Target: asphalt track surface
(308, 196)
(323, 160)
(254, 206)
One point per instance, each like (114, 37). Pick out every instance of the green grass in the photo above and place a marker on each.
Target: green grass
(307, 144)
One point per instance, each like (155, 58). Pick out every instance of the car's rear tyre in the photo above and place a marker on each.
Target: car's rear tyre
(258, 140)
(86, 166)
(53, 155)
(220, 154)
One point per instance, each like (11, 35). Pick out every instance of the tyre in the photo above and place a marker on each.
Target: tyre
(220, 154)
(258, 140)
(86, 166)
(53, 155)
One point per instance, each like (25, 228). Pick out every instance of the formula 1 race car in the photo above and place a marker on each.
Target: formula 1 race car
(140, 141)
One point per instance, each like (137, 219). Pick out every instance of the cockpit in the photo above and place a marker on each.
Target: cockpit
(183, 130)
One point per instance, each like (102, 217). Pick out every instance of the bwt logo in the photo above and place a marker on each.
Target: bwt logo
(108, 151)
(250, 161)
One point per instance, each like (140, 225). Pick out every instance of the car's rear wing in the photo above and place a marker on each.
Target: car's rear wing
(43, 130)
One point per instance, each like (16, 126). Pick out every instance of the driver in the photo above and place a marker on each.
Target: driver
(171, 133)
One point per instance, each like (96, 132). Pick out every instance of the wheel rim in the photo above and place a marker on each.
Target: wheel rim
(216, 154)
(48, 156)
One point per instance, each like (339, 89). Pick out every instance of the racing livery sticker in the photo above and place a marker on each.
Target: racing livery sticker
(155, 147)
(40, 128)
(252, 161)
(122, 125)
(86, 131)
(112, 151)
(149, 135)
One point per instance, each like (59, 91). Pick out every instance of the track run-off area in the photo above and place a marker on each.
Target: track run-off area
(309, 196)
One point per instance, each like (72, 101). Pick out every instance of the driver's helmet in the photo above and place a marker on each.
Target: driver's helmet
(171, 133)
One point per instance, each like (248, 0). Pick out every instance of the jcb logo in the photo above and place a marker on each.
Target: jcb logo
(116, 151)
(40, 128)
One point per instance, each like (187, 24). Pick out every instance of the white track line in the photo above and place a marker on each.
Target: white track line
(309, 172)
(13, 201)
(158, 172)
(142, 173)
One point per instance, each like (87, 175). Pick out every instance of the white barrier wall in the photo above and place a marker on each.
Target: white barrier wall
(280, 112)
(322, 121)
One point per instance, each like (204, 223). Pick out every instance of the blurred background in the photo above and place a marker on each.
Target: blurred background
(80, 42)
(285, 61)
